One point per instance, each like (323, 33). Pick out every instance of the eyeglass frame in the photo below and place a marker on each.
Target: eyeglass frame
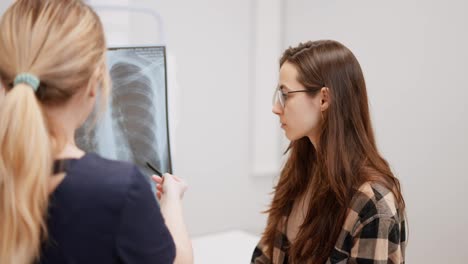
(280, 96)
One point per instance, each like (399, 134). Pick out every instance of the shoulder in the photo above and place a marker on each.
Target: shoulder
(372, 201)
(99, 180)
(375, 199)
(97, 164)
(374, 228)
(96, 169)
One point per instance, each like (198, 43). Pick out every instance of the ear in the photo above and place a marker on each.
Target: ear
(325, 98)
(93, 83)
(92, 90)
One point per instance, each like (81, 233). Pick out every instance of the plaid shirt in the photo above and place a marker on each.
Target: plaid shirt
(373, 232)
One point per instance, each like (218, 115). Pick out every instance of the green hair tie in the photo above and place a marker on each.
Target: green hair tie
(28, 79)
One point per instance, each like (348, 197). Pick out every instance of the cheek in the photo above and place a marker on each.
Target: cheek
(87, 109)
(310, 122)
(304, 122)
(91, 105)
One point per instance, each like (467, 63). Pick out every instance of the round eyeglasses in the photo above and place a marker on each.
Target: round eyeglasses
(281, 96)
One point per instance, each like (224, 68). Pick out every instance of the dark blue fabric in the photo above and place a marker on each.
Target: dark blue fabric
(105, 212)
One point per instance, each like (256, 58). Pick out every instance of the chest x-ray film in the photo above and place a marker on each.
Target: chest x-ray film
(135, 126)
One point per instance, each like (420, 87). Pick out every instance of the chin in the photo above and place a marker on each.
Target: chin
(292, 137)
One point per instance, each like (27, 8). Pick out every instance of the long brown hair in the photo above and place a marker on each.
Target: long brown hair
(62, 43)
(344, 158)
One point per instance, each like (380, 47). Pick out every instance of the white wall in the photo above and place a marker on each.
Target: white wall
(414, 56)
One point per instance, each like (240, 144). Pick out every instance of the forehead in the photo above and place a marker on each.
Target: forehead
(288, 76)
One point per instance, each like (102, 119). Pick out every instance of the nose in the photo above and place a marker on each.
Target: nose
(277, 109)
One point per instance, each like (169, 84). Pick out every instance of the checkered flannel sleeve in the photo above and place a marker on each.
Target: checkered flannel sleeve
(377, 241)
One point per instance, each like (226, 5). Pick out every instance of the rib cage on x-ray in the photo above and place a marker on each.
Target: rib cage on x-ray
(134, 126)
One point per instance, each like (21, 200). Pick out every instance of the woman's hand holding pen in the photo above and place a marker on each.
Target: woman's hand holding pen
(170, 187)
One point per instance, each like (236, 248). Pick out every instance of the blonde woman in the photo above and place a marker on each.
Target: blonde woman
(59, 204)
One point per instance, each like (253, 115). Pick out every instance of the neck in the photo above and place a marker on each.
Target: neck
(64, 123)
(70, 152)
(314, 140)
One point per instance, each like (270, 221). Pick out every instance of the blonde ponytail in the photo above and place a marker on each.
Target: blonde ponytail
(25, 168)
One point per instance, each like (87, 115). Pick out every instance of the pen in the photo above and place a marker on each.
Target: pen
(154, 169)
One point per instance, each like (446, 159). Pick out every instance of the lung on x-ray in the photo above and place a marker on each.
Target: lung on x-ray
(135, 126)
